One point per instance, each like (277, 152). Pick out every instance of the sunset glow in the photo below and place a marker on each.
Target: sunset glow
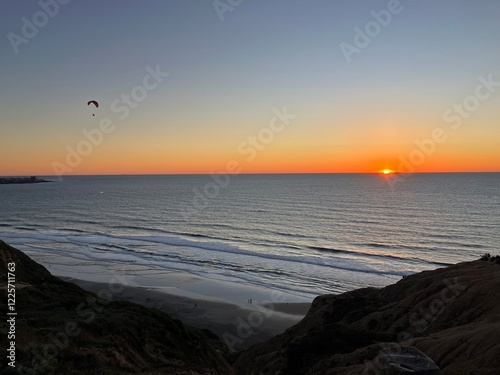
(189, 93)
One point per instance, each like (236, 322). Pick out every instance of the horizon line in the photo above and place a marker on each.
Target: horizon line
(248, 173)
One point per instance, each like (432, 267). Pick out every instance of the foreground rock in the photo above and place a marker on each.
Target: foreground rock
(450, 314)
(62, 329)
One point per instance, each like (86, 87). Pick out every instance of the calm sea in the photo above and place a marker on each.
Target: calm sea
(305, 234)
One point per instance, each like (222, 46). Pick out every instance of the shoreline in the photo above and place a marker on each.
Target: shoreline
(221, 306)
(239, 326)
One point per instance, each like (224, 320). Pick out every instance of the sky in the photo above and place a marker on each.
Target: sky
(255, 86)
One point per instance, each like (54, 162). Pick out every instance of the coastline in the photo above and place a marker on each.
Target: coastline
(21, 180)
(222, 306)
(239, 326)
(351, 332)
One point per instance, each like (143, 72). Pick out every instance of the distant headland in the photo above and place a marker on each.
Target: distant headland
(22, 180)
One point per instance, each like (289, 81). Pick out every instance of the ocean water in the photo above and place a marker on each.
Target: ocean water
(302, 234)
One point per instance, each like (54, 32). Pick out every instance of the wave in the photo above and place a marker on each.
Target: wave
(29, 229)
(362, 253)
(234, 238)
(134, 246)
(379, 245)
(82, 221)
(73, 230)
(330, 250)
(261, 230)
(422, 246)
(337, 263)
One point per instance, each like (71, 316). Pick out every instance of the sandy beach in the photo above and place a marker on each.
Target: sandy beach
(240, 326)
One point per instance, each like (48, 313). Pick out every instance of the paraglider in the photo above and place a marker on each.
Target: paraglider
(94, 103)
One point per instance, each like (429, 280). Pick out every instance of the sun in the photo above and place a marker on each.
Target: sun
(386, 171)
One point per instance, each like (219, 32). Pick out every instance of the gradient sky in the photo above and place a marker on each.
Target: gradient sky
(227, 78)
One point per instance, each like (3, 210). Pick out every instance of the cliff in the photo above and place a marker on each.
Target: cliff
(62, 329)
(451, 314)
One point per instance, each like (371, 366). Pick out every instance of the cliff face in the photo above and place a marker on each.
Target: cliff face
(451, 314)
(62, 329)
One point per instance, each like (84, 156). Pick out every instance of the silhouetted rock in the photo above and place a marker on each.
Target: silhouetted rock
(21, 180)
(486, 257)
(449, 314)
(63, 329)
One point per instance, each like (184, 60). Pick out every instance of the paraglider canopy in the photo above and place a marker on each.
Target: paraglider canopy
(94, 103)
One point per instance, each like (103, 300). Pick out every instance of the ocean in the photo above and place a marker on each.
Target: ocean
(303, 234)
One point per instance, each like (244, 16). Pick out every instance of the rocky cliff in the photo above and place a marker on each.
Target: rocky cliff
(62, 329)
(451, 314)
